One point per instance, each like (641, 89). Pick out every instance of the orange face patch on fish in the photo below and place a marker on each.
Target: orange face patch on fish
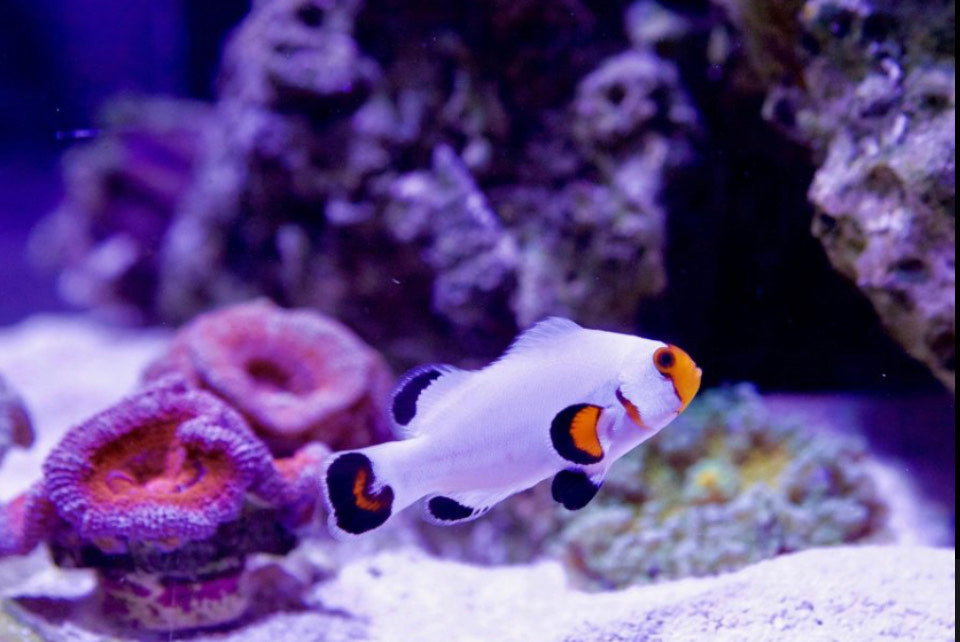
(675, 364)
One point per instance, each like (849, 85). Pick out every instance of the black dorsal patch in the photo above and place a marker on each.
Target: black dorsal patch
(573, 432)
(404, 406)
(573, 488)
(356, 507)
(446, 509)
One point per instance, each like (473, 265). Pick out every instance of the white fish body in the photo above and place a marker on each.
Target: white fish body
(563, 401)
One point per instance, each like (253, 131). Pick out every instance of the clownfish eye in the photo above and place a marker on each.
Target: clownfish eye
(664, 359)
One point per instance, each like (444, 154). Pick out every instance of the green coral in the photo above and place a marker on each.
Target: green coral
(725, 486)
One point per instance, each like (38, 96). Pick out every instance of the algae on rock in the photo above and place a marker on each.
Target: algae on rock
(872, 91)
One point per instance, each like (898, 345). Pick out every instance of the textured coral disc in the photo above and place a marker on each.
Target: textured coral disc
(285, 370)
(166, 465)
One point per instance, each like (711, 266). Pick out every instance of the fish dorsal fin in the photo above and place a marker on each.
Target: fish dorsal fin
(540, 334)
(456, 508)
(419, 388)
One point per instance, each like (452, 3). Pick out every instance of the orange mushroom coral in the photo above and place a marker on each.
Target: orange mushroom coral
(165, 494)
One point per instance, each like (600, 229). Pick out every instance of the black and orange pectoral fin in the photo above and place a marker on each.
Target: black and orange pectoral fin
(357, 506)
(573, 433)
(573, 488)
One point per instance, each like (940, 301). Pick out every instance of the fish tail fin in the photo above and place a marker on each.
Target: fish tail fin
(357, 498)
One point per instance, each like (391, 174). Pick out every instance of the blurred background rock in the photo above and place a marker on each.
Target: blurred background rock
(748, 289)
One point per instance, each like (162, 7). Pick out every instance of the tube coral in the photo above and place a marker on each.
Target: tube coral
(296, 376)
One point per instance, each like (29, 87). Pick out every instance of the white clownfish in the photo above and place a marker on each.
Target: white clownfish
(563, 401)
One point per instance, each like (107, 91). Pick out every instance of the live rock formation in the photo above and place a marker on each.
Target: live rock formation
(871, 87)
(16, 428)
(374, 162)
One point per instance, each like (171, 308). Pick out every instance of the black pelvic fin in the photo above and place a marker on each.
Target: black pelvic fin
(573, 488)
(448, 510)
(350, 482)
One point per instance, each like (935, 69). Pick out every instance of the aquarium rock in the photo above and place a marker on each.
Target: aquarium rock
(870, 86)
(122, 191)
(16, 428)
(295, 375)
(379, 166)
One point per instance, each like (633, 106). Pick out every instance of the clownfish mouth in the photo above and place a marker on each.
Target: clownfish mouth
(631, 409)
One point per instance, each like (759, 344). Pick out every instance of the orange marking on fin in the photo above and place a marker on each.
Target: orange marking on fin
(360, 494)
(631, 409)
(583, 430)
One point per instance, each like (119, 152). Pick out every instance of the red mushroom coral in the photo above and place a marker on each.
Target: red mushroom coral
(296, 376)
(165, 494)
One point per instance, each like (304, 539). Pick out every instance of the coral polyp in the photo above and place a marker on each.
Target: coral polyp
(166, 466)
(165, 494)
(295, 375)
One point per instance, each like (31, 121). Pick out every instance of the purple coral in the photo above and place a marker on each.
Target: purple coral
(165, 494)
(167, 465)
(295, 375)
(25, 522)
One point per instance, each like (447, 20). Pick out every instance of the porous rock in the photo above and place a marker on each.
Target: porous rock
(870, 87)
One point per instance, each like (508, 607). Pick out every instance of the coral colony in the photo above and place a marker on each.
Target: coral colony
(725, 487)
(167, 492)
